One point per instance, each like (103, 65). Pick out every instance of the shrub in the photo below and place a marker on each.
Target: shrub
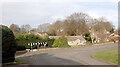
(23, 40)
(112, 40)
(49, 41)
(8, 45)
(20, 48)
(60, 42)
(88, 37)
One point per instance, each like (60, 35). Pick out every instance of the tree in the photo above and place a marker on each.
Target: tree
(39, 29)
(28, 28)
(68, 28)
(52, 31)
(76, 24)
(109, 27)
(101, 25)
(8, 45)
(44, 27)
(23, 29)
(15, 28)
(58, 27)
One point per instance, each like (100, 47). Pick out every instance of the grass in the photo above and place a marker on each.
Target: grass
(16, 62)
(108, 55)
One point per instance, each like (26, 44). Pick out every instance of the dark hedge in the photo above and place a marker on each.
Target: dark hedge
(8, 45)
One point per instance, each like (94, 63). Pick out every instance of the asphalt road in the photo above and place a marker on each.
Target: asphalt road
(70, 56)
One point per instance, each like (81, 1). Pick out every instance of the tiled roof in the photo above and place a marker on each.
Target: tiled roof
(69, 38)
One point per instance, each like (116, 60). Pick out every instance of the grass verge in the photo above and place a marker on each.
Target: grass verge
(107, 55)
(16, 62)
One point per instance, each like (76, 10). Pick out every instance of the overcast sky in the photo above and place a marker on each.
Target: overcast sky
(36, 12)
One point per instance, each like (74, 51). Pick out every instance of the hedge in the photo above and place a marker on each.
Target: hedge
(23, 40)
(8, 45)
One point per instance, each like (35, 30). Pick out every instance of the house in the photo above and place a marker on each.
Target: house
(102, 37)
(72, 40)
(115, 37)
(41, 34)
(99, 36)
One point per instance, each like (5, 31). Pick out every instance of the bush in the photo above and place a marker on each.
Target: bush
(88, 37)
(23, 40)
(20, 48)
(112, 40)
(49, 41)
(60, 42)
(8, 45)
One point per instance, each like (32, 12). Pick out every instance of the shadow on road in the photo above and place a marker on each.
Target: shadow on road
(46, 59)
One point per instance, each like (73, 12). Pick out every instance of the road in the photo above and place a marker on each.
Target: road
(70, 56)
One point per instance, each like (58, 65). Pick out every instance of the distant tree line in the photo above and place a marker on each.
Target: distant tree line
(73, 25)
(80, 24)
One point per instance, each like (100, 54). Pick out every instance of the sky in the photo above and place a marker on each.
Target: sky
(36, 12)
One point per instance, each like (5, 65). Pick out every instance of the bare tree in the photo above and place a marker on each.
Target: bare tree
(44, 27)
(28, 28)
(15, 28)
(39, 29)
(52, 30)
(58, 27)
(101, 25)
(109, 27)
(68, 28)
(23, 29)
(76, 24)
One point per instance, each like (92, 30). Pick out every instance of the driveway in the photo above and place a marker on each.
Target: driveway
(70, 56)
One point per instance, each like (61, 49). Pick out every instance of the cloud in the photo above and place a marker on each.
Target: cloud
(37, 12)
(58, 1)
(57, 17)
(110, 15)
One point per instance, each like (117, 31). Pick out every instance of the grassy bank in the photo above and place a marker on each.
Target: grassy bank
(107, 55)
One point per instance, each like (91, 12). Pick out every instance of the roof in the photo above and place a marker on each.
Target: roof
(69, 38)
